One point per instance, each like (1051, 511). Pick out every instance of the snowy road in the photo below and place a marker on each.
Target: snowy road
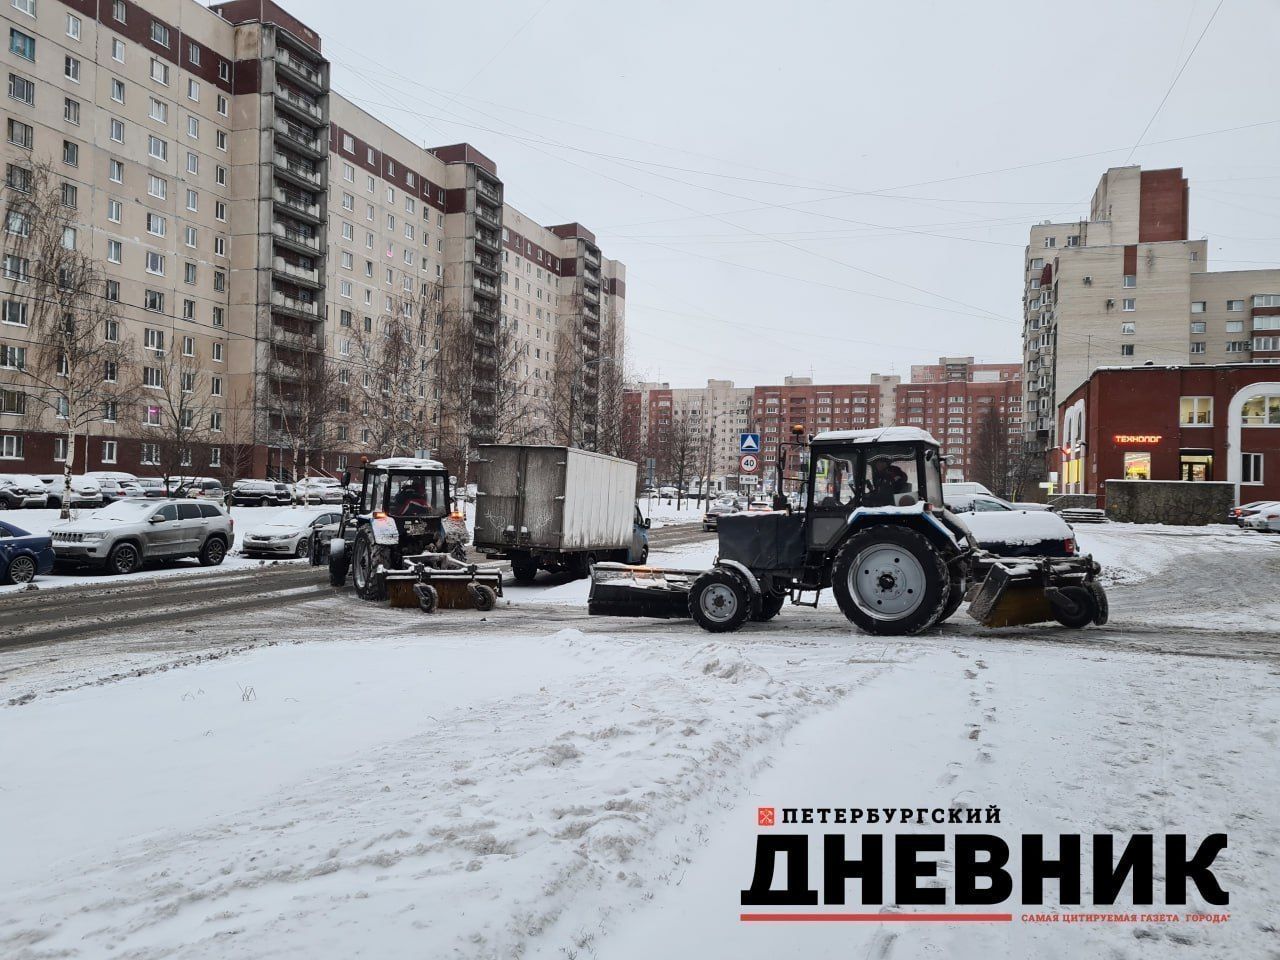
(336, 779)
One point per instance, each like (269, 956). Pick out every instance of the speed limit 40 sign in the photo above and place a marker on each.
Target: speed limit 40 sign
(748, 463)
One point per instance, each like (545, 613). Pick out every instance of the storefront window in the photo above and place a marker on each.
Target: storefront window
(1261, 411)
(1195, 465)
(1137, 465)
(1196, 411)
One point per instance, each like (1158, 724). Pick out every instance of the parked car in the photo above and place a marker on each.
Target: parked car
(126, 534)
(84, 492)
(200, 488)
(1007, 532)
(22, 490)
(289, 533)
(1267, 518)
(989, 502)
(967, 487)
(1238, 515)
(259, 493)
(317, 490)
(115, 486)
(153, 487)
(23, 556)
(718, 509)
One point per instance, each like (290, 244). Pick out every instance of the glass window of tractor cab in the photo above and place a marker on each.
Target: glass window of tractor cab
(416, 495)
(878, 476)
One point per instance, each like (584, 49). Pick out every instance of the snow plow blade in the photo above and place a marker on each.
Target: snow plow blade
(1019, 592)
(620, 590)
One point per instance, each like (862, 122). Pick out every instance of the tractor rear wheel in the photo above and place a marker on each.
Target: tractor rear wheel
(719, 601)
(339, 562)
(370, 581)
(890, 580)
(524, 569)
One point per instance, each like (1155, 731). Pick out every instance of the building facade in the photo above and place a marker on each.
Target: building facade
(1216, 422)
(272, 233)
(1125, 287)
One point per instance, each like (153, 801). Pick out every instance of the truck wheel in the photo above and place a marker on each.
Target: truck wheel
(524, 569)
(719, 601)
(339, 563)
(483, 597)
(954, 598)
(370, 584)
(771, 605)
(890, 580)
(1073, 606)
(644, 555)
(428, 599)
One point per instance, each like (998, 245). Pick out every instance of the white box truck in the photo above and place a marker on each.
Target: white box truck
(556, 508)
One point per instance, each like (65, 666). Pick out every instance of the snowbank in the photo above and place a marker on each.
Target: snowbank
(663, 513)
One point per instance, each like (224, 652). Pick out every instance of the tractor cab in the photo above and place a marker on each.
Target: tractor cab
(405, 488)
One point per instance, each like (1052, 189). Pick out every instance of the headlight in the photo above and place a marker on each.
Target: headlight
(92, 536)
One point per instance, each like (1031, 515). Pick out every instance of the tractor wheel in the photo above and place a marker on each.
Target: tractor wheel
(1103, 611)
(890, 580)
(483, 597)
(719, 601)
(1073, 606)
(370, 582)
(459, 552)
(524, 569)
(428, 599)
(339, 563)
(954, 598)
(771, 605)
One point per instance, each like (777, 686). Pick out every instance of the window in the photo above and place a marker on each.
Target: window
(70, 153)
(220, 175)
(10, 447)
(25, 6)
(114, 251)
(156, 224)
(152, 377)
(153, 300)
(13, 402)
(193, 53)
(219, 246)
(217, 352)
(117, 90)
(159, 33)
(1128, 304)
(1235, 326)
(1126, 349)
(71, 69)
(1197, 306)
(110, 371)
(159, 71)
(189, 236)
(189, 273)
(1128, 327)
(224, 70)
(155, 263)
(220, 211)
(1195, 411)
(222, 105)
(188, 309)
(158, 148)
(219, 281)
(109, 411)
(117, 49)
(112, 293)
(150, 455)
(1235, 306)
(22, 45)
(117, 130)
(220, 139)
(115, 171)
(188, 346)
(1261, 410)
(108, 451)
(1237, 346)
(1197, 346)
(20, 134)
(1251, 468)
(15, 312)
(215, 386)
(1050, 242)
(193, 199)
(12, 358)
(22, 89)
(217, 316)
(193, 128)
(1198, 326)
(1266, 343)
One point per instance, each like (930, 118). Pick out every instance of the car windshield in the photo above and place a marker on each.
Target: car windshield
(125, 510)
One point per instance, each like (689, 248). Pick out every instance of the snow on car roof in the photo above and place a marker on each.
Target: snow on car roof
(879, 435)
(407, 463)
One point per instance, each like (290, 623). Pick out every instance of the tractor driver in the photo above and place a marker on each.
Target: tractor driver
(411, 500)
(886, 482)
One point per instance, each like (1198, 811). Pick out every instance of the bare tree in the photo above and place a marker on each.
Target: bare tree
(236, 442)
(515, 404)
(990, 456)
(174, 416)
(303, 395)
(611, 407)
(454, 384)
(76, 359)
(683, 454)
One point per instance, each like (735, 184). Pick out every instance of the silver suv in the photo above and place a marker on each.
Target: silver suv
(127, 533)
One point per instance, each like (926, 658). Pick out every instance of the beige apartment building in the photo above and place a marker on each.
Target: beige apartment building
(716, 415)
(266, 233)
(1126, 287)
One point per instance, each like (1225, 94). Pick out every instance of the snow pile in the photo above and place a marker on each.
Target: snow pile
(1132, 552)
(663, 512)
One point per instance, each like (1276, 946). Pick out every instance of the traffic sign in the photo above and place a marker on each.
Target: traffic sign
(748, 443)
(748, 463)
(748, 481)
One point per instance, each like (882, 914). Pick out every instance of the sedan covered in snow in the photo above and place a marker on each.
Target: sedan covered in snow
(1021, 533)
(23, 556)
(1266, 517)
(288, 534)
(1239, 515)
(315, 490)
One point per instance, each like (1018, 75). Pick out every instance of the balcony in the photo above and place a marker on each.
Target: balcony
(488, 215)
(301, 139)
(296, 170)
(304, 342)
(590, 295)
(488, 239)
(310, 278)
(487, 263)
(591, 259)
(298, 104)
(298, 205)
(299, 70)
(484, 287)
(488, 191)
(485, 311)
(297, 239)
(284, 303)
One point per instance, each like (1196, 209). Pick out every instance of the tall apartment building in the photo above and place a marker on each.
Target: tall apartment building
(1127, 287)
(797, 401)
(715, 414)
(263, 225)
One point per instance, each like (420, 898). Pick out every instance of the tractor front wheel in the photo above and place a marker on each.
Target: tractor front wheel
(368, 567)
(339, 562)
(719, 601)
(890, 580)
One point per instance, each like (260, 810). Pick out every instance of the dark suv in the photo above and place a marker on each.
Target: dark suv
(259, 493)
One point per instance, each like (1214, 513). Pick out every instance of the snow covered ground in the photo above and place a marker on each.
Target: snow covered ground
(369, 782)
(662, 513)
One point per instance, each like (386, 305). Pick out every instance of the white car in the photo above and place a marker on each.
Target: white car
(288, 534)
(958, 502)
(115, 485)
(317, 490)
(1267, 518)
(85, 491)
(22, 490)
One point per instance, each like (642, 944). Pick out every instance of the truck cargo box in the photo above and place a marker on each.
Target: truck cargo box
(553, 499)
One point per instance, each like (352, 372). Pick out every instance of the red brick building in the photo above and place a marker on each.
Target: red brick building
(798, 401)
(1204, 422)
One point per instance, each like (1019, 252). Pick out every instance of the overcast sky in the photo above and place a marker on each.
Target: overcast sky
(828, 188)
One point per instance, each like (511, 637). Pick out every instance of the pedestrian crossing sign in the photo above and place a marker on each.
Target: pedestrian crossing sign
(748, 443)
